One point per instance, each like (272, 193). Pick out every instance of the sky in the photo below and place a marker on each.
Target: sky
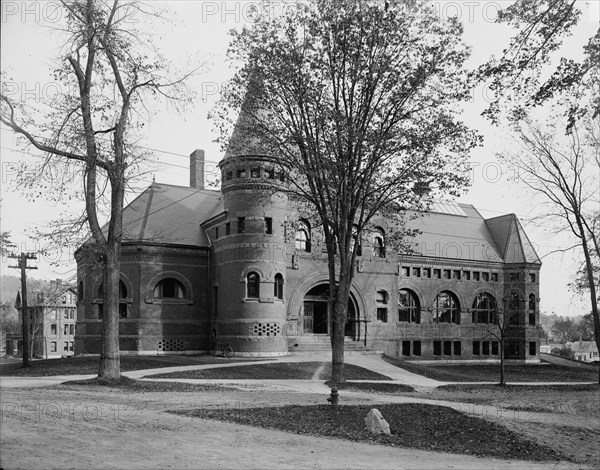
(198, 33)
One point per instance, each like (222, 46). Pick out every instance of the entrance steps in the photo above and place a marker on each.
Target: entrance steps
(310, 343)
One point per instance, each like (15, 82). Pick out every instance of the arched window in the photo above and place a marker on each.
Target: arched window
(253, 286)
(379, 243)
(484, 309)
(169, 288)
(302, 237)
(409, 309)
(446, 308)
(278, 287)
(513, 302)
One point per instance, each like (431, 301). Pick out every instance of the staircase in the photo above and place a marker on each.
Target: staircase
(310, 343)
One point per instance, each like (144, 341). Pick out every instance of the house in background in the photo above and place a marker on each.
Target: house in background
(52, 319)
(585, 351)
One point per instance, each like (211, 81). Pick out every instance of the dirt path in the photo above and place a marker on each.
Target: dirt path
(82, 428)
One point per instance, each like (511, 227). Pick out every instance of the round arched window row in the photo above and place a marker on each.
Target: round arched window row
(484, 309)
(252, 286)
(446, 308)
(169, 288)
(409, 309)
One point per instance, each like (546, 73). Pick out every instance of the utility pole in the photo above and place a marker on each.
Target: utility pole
(22, 265)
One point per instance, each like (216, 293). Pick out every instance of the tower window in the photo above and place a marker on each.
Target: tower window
(241, 225)
(278, 287)
(255, 173)
(268, 225)
(253, 286)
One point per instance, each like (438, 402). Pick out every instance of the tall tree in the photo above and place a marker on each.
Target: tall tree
(109, 73)
(540, 28)
(563, 170)
(357, 101)
(6, 245)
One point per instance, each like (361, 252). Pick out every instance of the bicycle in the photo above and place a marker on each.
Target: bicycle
(226, 350)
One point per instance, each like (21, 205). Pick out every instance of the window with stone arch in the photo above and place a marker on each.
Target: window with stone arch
(169, 288)
(278, 287)
(252, 286)
(409, 309)
(484, 309)
(122, 299)
(378, 243)
(302, 236)
(446, 308)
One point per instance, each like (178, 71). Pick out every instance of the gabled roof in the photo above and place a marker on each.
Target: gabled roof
(168, 214)
(452, 230)
(512, 241)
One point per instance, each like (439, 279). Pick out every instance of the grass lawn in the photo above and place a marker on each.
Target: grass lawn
(419, 426)
(281, 370)
(135, 386)
(89, 365)
(544, 372)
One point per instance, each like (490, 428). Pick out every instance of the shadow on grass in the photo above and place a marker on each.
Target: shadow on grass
(126, 384)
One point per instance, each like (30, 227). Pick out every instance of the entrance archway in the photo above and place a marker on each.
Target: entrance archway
(317, 315)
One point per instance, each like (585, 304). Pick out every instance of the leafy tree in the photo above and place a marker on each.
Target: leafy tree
(357, 101)
(110, 76)
(565, 330)
(563, 171)
(541, 26)
(6, 245)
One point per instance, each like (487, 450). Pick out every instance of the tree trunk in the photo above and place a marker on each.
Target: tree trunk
(110, 364)
(502, 379)
(338, 323)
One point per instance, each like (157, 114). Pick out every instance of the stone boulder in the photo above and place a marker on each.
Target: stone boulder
(376, 423)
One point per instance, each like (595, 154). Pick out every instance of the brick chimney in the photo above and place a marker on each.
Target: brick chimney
(197, 169)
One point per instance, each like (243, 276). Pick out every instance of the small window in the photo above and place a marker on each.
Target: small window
(382, 314)
(241, 224)
(53, 346)
(467, 275)
(437, 273)
(241, 173)
(532, 348)
(302, 236)
(495, 348)
(456, 275)
(281, 176)
(66, 330)
(485, 277)
(494, 277)
(66, 346)
(71, 329)
(228, 228)
(476, 275)
(270, 174)
(532, 277)
(229, 176)
(379, 243)
(513, 277)
(406, 348)
(123, 310)
(255, 173)
(427, 272)
(66, 314)
(476, 348)
(169, 288)
(253, 286)
(278, 287)
(268, 225)
(405, 271)
(532, 302)
(416, 348)
(457, 348)
(447, 274)
(447, 348)
(216, 233)
(416, 272)
(485, 348)
(53, 329)
(71, 346)
(437, 348)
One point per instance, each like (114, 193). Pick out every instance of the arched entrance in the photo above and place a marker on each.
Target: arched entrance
(316, 313)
